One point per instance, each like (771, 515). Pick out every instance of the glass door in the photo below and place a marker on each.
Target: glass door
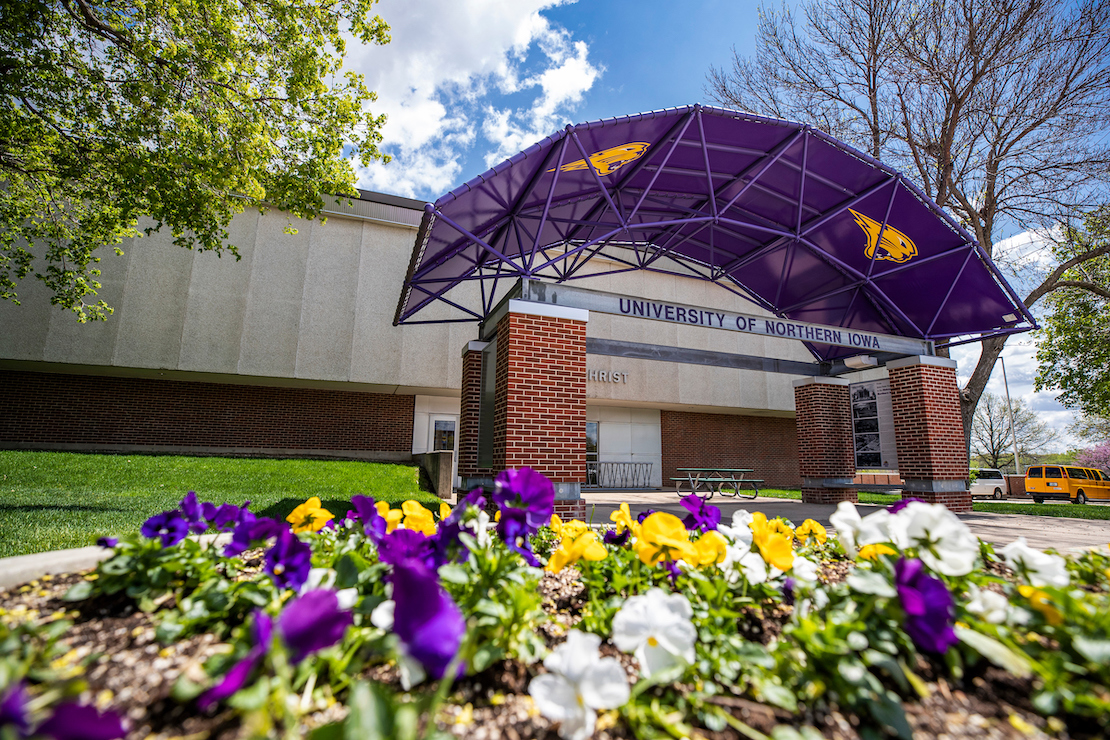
(591, 454)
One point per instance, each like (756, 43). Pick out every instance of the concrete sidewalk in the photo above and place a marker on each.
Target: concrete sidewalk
(999, 529)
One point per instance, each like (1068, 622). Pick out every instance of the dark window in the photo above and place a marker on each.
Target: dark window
(443, 438)
(1052, 473)
(1035, 473)
(1076, 473)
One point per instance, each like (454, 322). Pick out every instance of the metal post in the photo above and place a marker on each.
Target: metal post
(1010, 409)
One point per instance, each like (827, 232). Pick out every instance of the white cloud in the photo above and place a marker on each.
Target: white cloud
(442, 80)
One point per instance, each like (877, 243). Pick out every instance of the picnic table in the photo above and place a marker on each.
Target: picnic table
(722, 481)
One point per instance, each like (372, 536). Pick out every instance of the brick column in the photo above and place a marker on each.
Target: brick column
(929, 432)
(540, 412)
(469, 406)
(826, 455)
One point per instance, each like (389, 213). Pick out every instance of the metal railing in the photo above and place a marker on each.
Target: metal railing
(618, 474)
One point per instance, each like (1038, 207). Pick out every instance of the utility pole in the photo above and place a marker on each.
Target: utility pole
(1010, 410)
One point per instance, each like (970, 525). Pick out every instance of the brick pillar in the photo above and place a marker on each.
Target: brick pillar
(469, 406)
(540, 413)
(826, 455)
(929, 432)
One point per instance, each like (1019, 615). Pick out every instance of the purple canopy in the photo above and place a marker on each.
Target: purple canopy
(777, 212)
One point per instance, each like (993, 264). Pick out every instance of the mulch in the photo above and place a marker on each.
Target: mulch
(134, 674)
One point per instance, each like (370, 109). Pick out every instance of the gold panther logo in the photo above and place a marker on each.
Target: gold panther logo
(608, 161)
(894, 245)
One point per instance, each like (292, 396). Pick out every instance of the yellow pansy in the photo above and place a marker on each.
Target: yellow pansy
(392, 516)
(1039, 600)
(872, 552)
(811, 528)
(781, 527)
(418, 518)
(622, 517)
(777, 550)
(709, 549)
(444, 511)
(572, 530)
(309, 516)
(663, 536)
(583, 547)
(556, 525)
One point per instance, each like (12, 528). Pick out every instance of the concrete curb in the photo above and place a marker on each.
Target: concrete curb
(20, 569)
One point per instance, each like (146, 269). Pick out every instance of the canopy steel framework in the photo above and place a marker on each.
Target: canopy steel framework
(778, 213)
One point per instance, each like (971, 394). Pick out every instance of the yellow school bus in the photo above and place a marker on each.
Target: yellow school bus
(1066, 483)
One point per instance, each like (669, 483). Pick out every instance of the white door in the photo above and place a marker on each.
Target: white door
(443, 435)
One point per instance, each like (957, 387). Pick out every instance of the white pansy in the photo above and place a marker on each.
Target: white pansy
(480, 526)
(993, 607)
(855, 532)
(1039, 567)
(579, 683)
(741, 561)
(804, 569)
(656, 626)
(739, 532)
(325, 578)
(382, 616)
(318, 578)
(944, 543)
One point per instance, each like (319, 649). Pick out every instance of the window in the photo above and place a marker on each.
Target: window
(1052, 473)
(443, 436)
(591, 453)
(1035, 473)
(1076, 473)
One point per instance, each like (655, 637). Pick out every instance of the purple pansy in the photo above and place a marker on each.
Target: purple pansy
(372, 522)
(72, 721)
(515, 531)
(224, 516)
(620, 540)
(170, 526)
(899, 505)
(927, 604)
(788, 587)
(233, 680)
(289, 560)
(13, 709)
(107, 542)
(425, 618)
(703, 515)
(526, 489)
(193, 513)
(250, 529)
(404, 544)
(312, 622)
(644, 515)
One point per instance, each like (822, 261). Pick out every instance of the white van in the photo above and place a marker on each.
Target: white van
(990, 483)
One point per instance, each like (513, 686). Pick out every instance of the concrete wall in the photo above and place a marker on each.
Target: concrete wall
(315, 307)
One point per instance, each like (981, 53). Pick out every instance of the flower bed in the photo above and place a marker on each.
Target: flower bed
(496, 619)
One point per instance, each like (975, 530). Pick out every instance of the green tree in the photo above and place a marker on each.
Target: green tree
(182, 111)
(997, 109)
(991, 439)
(1073, 348)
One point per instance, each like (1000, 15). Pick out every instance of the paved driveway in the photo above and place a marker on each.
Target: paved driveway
(998, 529)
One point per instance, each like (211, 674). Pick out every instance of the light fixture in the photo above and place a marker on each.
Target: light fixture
(860, 362)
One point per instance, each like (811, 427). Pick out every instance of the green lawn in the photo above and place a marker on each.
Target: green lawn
(56, 500)
(1073, 511)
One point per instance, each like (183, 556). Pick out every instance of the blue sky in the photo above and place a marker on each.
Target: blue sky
(468, 83)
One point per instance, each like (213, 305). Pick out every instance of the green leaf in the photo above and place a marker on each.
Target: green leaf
(995, 652)
(1093, 649)
(253, 696)
(454, 573)
(79, 591)
(870, 582)
(370, 716)
(887, 709)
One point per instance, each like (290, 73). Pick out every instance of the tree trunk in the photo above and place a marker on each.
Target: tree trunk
(970, 393)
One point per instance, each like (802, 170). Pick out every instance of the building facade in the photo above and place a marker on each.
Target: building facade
(291, 351)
